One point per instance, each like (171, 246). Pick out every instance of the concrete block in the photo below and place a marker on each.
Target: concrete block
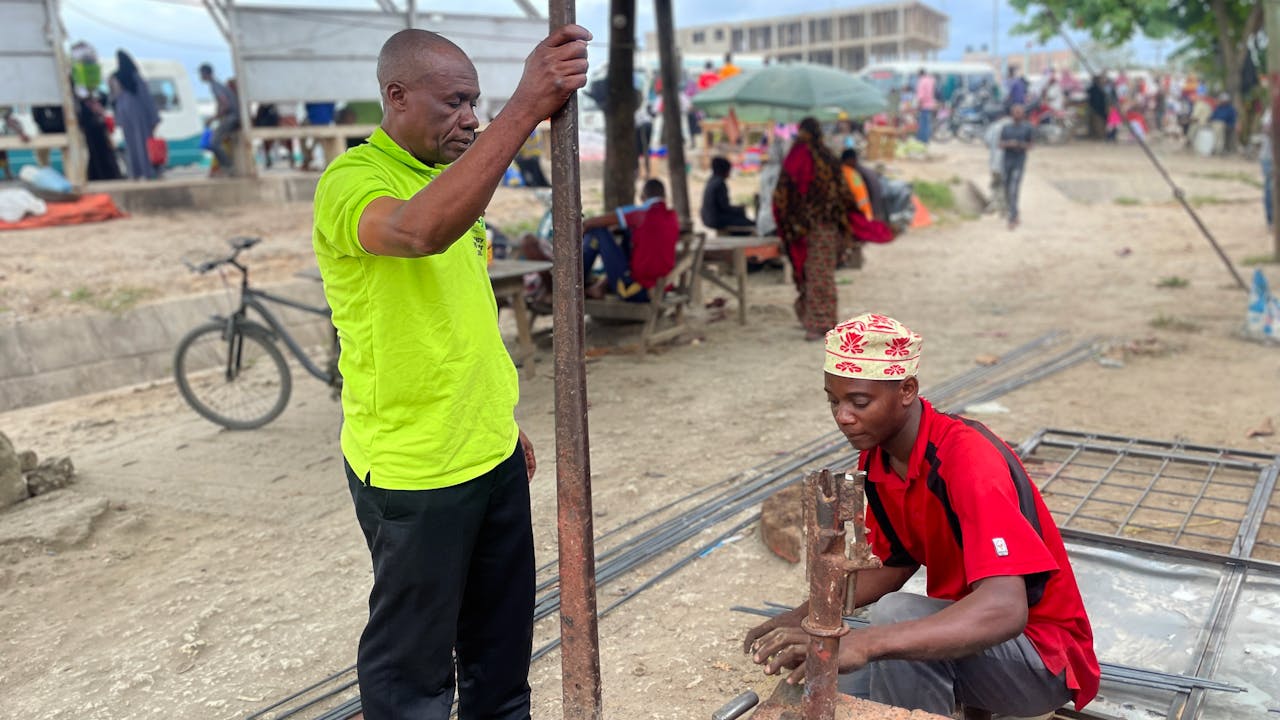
(136, 332)
(58, 343)
(13, 358)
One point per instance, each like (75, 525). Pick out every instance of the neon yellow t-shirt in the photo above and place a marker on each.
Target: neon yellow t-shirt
(429, 390)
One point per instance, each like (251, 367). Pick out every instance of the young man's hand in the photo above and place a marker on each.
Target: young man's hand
(783, 648)
(790, 618)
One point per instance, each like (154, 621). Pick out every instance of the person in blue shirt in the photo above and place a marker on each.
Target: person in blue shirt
(1017, 89)
(1225, 113)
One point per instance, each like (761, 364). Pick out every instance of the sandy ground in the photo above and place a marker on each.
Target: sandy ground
(197, 573)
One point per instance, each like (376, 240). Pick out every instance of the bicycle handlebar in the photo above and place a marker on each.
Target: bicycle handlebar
(237, 244)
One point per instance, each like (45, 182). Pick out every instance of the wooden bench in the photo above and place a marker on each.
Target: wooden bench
(669, 298)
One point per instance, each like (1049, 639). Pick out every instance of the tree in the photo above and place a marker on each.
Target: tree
(620, 153)
(1217, 29)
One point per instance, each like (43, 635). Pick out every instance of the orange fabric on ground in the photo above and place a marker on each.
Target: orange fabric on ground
(89, 208)
(922, 217)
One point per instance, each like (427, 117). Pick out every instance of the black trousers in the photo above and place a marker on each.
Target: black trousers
(452, 573)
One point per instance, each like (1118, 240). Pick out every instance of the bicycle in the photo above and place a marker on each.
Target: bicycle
(230, 370)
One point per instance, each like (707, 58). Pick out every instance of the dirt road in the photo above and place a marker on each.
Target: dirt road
(226, 569)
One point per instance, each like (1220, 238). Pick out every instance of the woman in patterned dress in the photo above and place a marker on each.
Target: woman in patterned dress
(811, 204)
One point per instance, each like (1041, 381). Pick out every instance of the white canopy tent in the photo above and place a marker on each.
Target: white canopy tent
(35, 71)
(303, 54)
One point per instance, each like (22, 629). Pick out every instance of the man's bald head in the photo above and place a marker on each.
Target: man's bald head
(429, 93)
(408, 55)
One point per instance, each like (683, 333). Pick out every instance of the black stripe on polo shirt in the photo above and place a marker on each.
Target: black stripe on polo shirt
(898, 554)
(1026, 499)
(938, 487)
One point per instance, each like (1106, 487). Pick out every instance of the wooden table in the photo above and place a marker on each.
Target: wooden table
(507, 277)
(731, 251)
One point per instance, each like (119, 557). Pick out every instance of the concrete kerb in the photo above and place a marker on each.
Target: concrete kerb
(58, 358)
(198, 193)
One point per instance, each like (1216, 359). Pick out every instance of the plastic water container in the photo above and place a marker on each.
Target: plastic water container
(1203, 141)
(320, 113)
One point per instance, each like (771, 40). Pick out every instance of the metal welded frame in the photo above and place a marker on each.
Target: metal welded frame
(1236, 564)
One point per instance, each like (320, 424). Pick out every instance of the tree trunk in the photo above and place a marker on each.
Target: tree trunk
(1231, 52)
(620, 152)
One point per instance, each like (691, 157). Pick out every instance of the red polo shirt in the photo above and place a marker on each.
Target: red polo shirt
(968, 511)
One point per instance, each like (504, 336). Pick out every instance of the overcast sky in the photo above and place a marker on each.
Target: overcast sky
(182, 30)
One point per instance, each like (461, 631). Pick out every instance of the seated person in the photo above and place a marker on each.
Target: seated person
(717, 212)
(865, 184)
(632, 267)
(9, 124)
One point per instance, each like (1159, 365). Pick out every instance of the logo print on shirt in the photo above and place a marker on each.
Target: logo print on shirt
(1001, 548)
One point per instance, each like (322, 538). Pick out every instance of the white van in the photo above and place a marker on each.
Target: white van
(952, 76)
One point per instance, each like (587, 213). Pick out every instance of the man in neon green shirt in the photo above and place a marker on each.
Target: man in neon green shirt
(437, 468)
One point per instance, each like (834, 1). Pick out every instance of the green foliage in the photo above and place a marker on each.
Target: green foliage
(1115, 22)
(1125, 200)
(1172, 281)
(1253, 260)
(1238, 176)
(116, 300)
(1203, 200)
(935, 195)
(1176, 324)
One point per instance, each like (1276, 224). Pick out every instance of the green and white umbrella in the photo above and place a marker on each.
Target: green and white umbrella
(787, 93)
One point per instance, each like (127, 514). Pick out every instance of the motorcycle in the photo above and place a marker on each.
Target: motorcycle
(971, 114)
(1052, 127)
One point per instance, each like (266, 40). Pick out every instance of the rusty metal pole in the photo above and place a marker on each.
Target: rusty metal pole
(672, 122)
(579, 628)
(830, 502)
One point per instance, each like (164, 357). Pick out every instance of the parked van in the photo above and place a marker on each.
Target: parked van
(181, 123)
(951, 76)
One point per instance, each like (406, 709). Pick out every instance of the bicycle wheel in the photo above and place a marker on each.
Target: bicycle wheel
(239, 382)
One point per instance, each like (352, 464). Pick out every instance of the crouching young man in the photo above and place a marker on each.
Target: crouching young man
(1003, 628)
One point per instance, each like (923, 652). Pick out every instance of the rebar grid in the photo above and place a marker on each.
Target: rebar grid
(1168, 492)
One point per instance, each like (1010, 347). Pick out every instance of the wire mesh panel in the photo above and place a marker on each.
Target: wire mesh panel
(1173, 493)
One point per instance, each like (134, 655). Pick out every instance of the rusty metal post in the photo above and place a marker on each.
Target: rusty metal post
(579, 628)
(830, 502)
(672, 120)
